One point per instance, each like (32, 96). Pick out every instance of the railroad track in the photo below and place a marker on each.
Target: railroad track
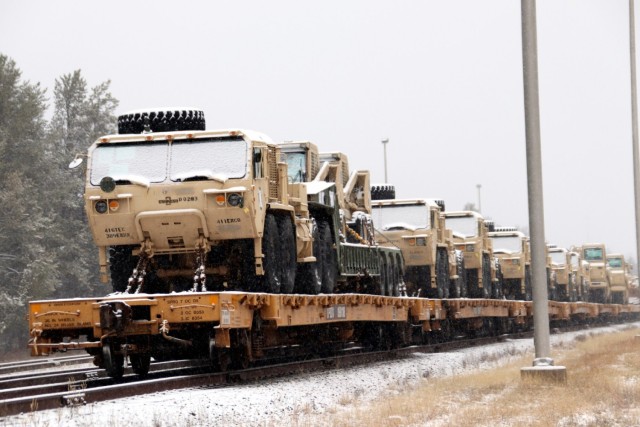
(79, 387)
(72, 388)
(9, 368)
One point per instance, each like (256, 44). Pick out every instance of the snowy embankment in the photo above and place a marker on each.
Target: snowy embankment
(281, 401)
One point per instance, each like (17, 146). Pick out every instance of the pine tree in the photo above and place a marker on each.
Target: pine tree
(80, 116)
(26, 272)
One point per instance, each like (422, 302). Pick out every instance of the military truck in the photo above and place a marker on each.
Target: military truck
(599, 280)
(433, 267)
(471, 237)
(511, 248)
(562, 264)
(620, 276)
(339, 205)
(175, 207)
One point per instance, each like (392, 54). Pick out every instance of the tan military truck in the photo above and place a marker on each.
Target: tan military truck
(339, 205)
(563, 265)
(471, 236)
(511, 248)
(174, 207)
(620, 276)
(433, 267)
(599, 272)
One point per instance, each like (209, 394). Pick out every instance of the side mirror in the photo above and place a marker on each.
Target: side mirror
(76, 162)
(257, 155)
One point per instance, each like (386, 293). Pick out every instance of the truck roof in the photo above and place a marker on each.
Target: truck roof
(184, 134)
(452, 214)
(399, 202)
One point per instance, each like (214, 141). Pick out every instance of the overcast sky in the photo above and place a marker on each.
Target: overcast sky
(442, 80)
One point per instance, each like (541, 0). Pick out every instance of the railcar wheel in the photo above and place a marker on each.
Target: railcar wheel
(289, 257)
(271, 261)
(112, 362)
(329, 269)
(140, 363)
(220, 358)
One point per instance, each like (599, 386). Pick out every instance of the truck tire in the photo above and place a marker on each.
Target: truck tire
(528, 290)
(328, 267)
(497, 287)
(271, 263)
(442, 273)
(459, 286)
(384, 274)
(163, 120)
(383, 192)
(308, 276)
(289, 256)
(121, 265)
(486, 277)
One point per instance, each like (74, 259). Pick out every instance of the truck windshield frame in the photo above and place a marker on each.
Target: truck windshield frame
(296, 167)
(508, 244)
(157, 161)
(123, 160)
(221, 157)
(615, 262)
(558, 257)
(593, 254)
(415, 216)
(466, 226)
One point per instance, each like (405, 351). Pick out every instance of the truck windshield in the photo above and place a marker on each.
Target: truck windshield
(507, 244)
(216, 158)
(615, 262)
(125, 162)
(558, 258)
(401, 216)
(464, 226)
(296, 167)
(593, 254)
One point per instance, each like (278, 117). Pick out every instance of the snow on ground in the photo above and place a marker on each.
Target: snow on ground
(274, 402)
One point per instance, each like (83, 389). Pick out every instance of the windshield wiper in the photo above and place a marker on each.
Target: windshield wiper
(199, 174)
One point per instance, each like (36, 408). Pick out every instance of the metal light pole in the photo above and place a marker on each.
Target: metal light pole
(384, 144)
(478, 186)
(634, 126)
(543, 363)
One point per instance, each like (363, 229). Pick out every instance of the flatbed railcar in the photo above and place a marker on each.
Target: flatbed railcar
(239, 328)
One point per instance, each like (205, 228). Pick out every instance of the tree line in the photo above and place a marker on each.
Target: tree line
(46, 249)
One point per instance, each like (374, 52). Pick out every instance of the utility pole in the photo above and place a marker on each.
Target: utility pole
(479, 186)
(634, 125)
(543, 368)
(384, 144)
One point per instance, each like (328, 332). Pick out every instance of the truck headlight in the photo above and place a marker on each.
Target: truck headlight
(101, 206)
(234, 199)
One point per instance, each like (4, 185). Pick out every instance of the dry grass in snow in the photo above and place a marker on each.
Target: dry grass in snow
(603, 389)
